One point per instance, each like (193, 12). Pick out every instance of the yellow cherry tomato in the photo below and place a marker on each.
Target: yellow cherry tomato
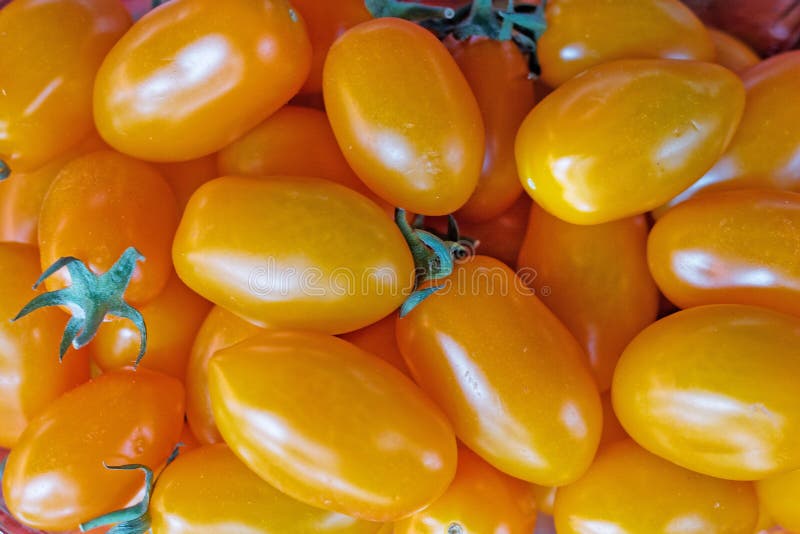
(731, 52)
(780, 496)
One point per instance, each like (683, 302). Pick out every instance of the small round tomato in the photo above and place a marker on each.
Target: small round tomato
(731, 52)
(404, 115)
(50, 51)
(193, 75)
(210, 490)
(595, 279)
(713, 389)
(220, 330)
(508, 374)
(780, 496)
(55, 477)
(730, 247)
(184, 177)
(629, 490)
(380, 339)
(293, 252)
(358, 437)
(31, 376)
(656, 127)
(583, 33)
(99, 205)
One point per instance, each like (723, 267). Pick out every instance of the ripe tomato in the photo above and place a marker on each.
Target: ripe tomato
(220, 330)
(380, 339)
(184, 177)
(211, 490)
(358, 437)
(508, 374)
(293, 252)
(31, 376)
(55, 478)
(583, 33)
(193, 75)
(595, 279)
(730, 247)
(780, 495)
(713, 389)
(731, 52)
(99, 205)
(50, 51)
(404, 115)
(629, 490)
(656, 127)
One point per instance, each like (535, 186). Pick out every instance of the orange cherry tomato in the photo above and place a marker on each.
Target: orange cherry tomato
(595, 279)
(293, 252)
(404, 115)
(713, 389)
(31, 376)
(172, 318)
(193, 75)
(498, 75)
(583, 33)
(780, 495)
(656, 127)
(508, 374)
(732, 53)
(99, 205)
(184, 177)
(480, 500)
(730, 247)
(220, 330)
(629, 490)
(380, 339)
(50, 51)
(358, 437)
(55, 478)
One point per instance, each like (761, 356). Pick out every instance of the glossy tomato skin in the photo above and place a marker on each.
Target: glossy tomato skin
(55, 479)
(404, 115)
(380, 339)
(358, 438)
(730, 247)
(732, 53)
(712, 389)
(657, 126)
(99, 205)
(193, 75)
(508, 374)
(779, 495)
(220, 330)
(49, 54)
(584, 33)
(498, 76)
(209, 490)
(628, 489)
(31, 376)
(293, 253)
(184, 177)
(595, 279)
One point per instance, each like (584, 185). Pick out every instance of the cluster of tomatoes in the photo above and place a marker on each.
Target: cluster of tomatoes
(259, 312)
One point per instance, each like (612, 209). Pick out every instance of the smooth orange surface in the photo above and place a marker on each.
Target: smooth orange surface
(780, 496)
(184, 177)
(380, 339)
(732, 53)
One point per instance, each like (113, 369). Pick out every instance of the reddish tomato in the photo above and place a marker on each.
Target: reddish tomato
(731, 52)
(507, 373)
(357, 438)
(193, 75)
(184, 177)
(404, 115)
(50, 51)
(54, 478)
(713, 389)
(780, 495)
(629, 490)
(99, 205)
(584, 33)
(380, 339)
(31, 376)
(595, 279)
(656, 127)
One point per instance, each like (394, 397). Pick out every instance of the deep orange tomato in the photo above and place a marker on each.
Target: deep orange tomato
(31, 376)
(713, 389)
(193, 75)
(55, 478)
(595, 279)
(779, 496)
(99, 205)
(509, 376)
(404, 115)
(184, 177)
(358, 437)
(629, 490)
(656, 127)
(50, 51)
(380, 339)
(731, 52)
(583, 33)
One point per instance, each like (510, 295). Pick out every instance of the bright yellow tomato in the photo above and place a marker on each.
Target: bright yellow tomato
(780, 496)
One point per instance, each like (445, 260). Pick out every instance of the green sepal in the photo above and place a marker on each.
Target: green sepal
(90, 298)
(5, 170)
(415, 298)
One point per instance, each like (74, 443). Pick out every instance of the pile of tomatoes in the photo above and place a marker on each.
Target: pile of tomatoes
(308, 266)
